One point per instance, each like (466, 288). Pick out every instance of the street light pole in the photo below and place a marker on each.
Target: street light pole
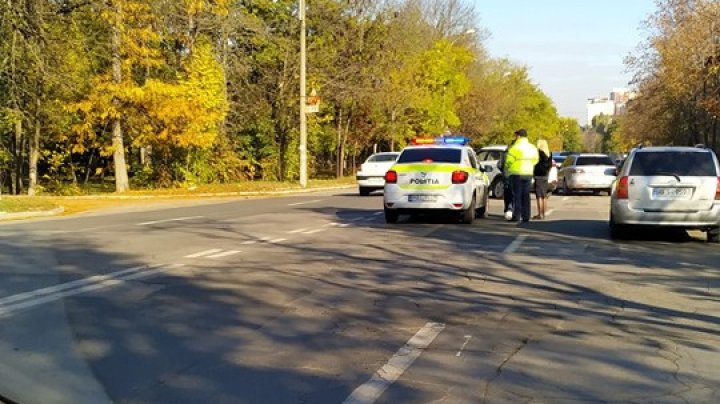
(303, 99)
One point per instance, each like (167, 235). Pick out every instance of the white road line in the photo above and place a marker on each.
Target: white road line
(305, 203)
(249, 242)
(277, 240)
(314, 231)
(179, 219)
(300, 230)
(69, 285)
(204, 253)
(224, 254)
(86, 285)
(369, 392)
(462, 348)
(378, 213)
(510, 249)
(336, 224)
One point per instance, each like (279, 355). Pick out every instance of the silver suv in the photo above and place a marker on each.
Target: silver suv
(667, 186)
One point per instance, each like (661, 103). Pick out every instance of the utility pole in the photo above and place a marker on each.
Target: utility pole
(303, 98)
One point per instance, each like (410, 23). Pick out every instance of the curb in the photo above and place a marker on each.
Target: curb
(30, 215)
(211, 194)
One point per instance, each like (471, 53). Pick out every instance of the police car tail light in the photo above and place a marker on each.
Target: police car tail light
(391, 177)
(459, 177)
(717, 190)
(622, 188)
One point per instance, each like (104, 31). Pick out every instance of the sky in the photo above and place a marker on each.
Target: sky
(574, 49)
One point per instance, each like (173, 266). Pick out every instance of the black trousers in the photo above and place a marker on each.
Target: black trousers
(521, 196)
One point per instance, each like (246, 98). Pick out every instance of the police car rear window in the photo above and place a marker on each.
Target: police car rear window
(430, 155)
(382, 158)
(684, 164)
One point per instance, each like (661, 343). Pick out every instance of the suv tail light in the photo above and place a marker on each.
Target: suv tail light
(717, 190)
(391, 177)
(622, 188)
(459, 177)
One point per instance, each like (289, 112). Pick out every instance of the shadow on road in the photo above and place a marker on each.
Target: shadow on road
(312, 321)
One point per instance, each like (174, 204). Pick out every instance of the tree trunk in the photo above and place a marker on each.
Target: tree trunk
(19, 147)
(339, 148)
(121, 173)
(34, 153)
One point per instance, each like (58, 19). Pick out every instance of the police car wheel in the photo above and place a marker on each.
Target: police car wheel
(468, 215)
(391, 216)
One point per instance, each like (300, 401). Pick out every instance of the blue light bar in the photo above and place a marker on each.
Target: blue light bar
(457, 140)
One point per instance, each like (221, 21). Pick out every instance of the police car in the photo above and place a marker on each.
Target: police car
(435, 175)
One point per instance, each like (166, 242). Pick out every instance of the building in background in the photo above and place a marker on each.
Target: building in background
(613, 105)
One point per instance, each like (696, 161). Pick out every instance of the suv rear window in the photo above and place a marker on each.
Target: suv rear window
(594, 161)
(430, 155)
(685, 164)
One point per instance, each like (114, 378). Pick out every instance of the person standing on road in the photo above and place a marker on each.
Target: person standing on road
(507, 188)
(541, 173)
(520, 165)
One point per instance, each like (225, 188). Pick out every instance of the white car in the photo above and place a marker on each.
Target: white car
(371, 176)
(436, 175)
(488, 157)
(594, 172)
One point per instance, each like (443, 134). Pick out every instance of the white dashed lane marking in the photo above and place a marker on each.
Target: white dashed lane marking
(224, 254)
(510, 249)
(369, 392)
(204, 253)
(178, 219)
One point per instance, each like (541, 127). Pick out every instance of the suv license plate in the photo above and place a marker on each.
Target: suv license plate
(672, 193)
(422, 198)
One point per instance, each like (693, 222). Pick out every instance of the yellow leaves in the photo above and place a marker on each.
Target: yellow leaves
(217, 7)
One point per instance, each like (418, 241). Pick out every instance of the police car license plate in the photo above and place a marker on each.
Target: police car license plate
(672, 193)
(422, 198)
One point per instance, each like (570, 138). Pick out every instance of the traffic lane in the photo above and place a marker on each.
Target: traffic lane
(132, 290)
(301, 325)
(636, 319)
(32, 259)
(159, 215)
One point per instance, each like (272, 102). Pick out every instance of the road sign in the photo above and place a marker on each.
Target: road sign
(312, 104)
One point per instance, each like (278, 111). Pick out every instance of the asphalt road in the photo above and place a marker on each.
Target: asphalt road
(314, 299)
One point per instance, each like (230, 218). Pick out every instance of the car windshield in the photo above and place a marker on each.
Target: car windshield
(382, 158)
(430, 155)
(681, 163)
(594, 161)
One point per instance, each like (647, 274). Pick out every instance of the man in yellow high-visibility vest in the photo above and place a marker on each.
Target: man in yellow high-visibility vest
(519, 164)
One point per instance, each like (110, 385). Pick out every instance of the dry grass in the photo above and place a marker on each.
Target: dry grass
(25, 204)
